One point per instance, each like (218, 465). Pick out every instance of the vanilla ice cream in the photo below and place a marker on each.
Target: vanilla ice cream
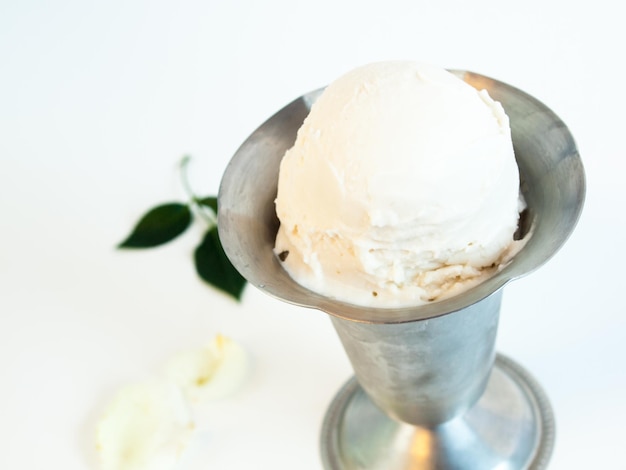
(401, 188)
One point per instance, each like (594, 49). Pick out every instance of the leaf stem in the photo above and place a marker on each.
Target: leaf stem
(205, 214)
(184, 177)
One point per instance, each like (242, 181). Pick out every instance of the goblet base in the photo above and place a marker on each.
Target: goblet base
(510, 427)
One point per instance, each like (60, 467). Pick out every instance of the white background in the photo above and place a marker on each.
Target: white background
(98, 102)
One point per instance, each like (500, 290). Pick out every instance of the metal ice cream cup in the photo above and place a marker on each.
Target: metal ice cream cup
(426, 372)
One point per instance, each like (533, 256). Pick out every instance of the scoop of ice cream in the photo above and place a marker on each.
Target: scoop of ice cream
(401, 188)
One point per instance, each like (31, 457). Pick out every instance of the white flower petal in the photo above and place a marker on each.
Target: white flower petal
(215, 371)
(146, 427)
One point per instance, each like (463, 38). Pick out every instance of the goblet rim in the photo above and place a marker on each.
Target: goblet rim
(271, 277)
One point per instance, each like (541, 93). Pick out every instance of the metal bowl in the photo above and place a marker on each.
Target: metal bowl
(552, 181)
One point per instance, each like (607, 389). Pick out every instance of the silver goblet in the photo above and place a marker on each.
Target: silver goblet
(430, 391)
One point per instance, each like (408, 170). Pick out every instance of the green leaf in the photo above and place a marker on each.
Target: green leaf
(210, 201)
(159, 225)
(214, 267)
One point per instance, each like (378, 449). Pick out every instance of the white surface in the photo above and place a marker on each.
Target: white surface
(99, 100)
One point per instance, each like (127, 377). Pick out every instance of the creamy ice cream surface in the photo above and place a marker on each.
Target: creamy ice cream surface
(401, 188)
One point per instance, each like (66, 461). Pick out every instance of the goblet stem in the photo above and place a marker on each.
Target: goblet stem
(424, 372)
